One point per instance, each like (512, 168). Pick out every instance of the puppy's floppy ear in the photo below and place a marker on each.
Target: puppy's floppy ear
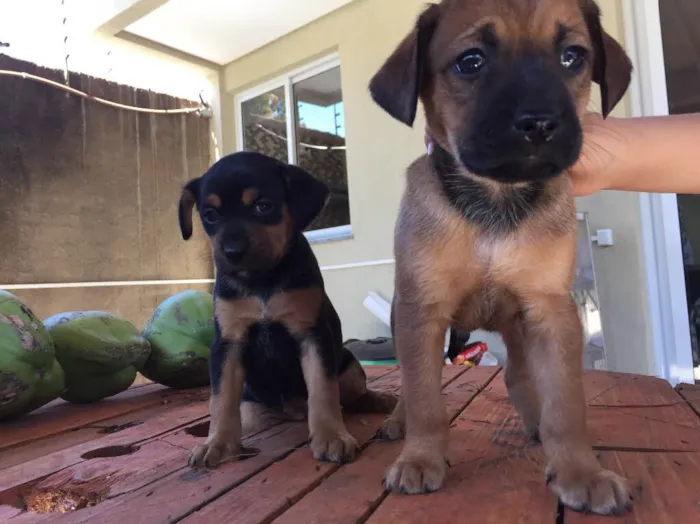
(306, 196)
(612, 68)
(397, 85)
(188, 199)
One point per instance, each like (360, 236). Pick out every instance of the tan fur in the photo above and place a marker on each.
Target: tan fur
(256, 417)
(224, 440)
(214, 200)
(451, 273)
(330, 439)
(236, 316)
(356, 396)
(249, 196)
(297, 309)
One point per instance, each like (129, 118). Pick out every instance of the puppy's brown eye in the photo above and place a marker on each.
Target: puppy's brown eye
(263, 207)
(573, 58)
(210, 216)
(471, 62)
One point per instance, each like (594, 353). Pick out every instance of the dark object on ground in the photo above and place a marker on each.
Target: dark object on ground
(458, 340)
(380, 348)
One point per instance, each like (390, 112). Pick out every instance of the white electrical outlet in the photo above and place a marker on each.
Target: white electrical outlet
(603, 237)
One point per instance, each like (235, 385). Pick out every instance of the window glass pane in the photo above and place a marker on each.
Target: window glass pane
(679, 27)
(320, 137)
(265, 125)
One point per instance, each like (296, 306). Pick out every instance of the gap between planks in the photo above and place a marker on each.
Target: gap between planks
(339, 494)
(163, 438)
(59, 417)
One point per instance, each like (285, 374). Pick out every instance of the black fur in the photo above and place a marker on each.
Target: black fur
(473, 200)
(490, 144)
(269, 353)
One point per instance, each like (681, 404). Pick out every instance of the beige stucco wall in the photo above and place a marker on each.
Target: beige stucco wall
(379, 149)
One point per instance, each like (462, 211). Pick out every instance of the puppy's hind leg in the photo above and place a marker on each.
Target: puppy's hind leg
(256, 417)
(394, 426)
(357, 397)
(521, 389)
(554, 357)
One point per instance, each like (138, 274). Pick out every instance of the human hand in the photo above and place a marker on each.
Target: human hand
(603, 146)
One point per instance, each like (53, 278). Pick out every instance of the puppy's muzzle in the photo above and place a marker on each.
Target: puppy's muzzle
(536, 128)
(235, 249)
(524, 127)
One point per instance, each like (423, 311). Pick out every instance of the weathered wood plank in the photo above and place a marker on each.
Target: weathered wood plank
(666, 488)
(40, 467)
(185, 490)
(93, 481)
(350, 493)
(269, 492)
(59, 416)
(7, 512)
(631, 412)
(266, 494)
(491, 480)
(495, 475)
(636, 412)
(497, 464)
(53, 443)
(100, 479)
(375, 372)
(691, 394)
(177, 486)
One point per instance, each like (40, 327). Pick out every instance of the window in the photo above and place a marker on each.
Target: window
(681, 46)
(310, 135)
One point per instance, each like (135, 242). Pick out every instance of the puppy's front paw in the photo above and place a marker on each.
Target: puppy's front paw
(414, 474)
(602, 492)
(334, 446)
(393, 428)
(214, 451)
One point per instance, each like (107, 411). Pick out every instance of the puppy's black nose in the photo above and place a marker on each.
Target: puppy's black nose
(536, 128)
(234, 249)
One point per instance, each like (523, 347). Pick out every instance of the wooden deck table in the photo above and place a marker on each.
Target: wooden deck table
(123, 460)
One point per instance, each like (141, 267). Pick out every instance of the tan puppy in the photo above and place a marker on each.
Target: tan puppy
(486, 233)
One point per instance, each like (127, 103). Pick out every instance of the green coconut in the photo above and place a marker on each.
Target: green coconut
(30, 376)
(93, 388)
(181, 332)
(98, 352)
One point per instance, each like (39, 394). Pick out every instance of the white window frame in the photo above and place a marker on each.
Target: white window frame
(287, 81)
(662, 251)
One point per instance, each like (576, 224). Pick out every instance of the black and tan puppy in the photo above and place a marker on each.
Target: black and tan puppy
(278, 338)
(486, 232)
